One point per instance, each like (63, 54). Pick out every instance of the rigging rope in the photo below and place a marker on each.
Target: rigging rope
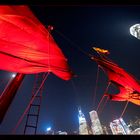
(101, 109)
(89, 55)
(100, 103)
(49, 30)
(111, 110)
(74, 44)
(97, 77)
(31, 101)
(103, 96)
(75, 90)
(124, 109)
(34, 84)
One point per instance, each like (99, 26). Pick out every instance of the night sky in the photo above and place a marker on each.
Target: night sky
(76, 30)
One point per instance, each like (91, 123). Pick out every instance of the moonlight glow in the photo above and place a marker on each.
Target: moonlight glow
(135, 31)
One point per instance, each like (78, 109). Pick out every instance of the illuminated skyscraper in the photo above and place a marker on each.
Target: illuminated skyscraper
(83, 128)
(96, 125)
(118, 126)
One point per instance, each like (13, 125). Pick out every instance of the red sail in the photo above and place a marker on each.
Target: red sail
(26, 46)
(129, 87)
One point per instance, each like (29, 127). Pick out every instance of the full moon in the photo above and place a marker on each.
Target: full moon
(135, 31)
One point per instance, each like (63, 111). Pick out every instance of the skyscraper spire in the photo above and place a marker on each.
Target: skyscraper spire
(83, 128)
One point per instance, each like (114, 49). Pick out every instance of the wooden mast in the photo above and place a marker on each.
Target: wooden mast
(9, 94)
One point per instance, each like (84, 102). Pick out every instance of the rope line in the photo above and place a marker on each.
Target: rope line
(103, 96)
(75, 90)
(124, 109)
(31, 101)
(97, 77)
(73, 44)
(101, 109)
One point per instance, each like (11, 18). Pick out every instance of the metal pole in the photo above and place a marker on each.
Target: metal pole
(9, 94)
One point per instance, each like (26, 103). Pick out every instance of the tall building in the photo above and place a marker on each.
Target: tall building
(118, 126)
(83, 128)
(96, 125)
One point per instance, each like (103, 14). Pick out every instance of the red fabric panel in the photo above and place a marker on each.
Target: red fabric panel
(126, 83)
(133, 99)
(26, 46)
(118, 75)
